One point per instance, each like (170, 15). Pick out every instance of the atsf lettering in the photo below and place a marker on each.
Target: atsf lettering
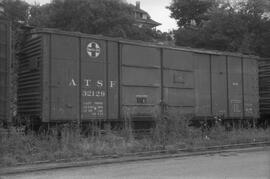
(96, 88)
(90, 83)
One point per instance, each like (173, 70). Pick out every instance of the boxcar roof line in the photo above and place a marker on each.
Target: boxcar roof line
(139, 43)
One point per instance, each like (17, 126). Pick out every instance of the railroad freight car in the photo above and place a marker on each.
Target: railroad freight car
(68, 76)
(5, 60)
(264, 88)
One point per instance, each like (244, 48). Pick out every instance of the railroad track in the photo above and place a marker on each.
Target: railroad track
(128, 157)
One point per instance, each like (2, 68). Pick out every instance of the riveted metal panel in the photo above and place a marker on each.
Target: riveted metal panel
(45, 74)
(131, 100)
(29, 79)
(131, 94)
(112, 76)
(93, 77)
(264, 90)
(219, 85)
(179, 60)
(5, 60)
(178, 79)
(64, 78)
(141, 79)
(179, 97)
(235, 86)
(140, 56)
(202, 85)
(251, 89)
(179, 112)
(79, 81)
(140, 76)
(64, 98)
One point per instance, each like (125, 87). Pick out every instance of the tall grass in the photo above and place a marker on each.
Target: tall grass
(170, 132)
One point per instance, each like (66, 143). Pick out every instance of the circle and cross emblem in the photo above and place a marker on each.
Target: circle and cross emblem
(93, 49)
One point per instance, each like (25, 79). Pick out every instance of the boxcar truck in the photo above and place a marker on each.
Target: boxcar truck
(5, 62)
(75, 77)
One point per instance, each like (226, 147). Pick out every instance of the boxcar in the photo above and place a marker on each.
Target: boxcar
(264, 89)
(5, 59)
(69, 76)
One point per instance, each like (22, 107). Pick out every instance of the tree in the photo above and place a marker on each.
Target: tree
(16, 11)
(187, 11)
(108, 17)
(188, 37)
(264, 41)
(238, 28)
(112, 18)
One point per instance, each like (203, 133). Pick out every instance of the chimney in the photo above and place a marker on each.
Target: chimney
(138, 4)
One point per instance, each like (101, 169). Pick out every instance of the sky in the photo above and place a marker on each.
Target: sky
(156, 9)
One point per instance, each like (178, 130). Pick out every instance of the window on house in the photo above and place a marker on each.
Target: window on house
(137, 15)
(144, 16)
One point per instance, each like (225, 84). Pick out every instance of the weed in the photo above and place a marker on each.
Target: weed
(170, 133)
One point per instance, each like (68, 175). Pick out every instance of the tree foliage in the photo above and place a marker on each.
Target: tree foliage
(187, 11)
(16, 11)
(107, 17)
(113, 18)
(239, 28)
(110, 17)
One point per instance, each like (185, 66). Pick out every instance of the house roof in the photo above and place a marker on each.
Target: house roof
(140, 10)
(145, 21)
(148, 21)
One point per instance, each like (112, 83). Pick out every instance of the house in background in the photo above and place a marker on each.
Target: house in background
(142, 18)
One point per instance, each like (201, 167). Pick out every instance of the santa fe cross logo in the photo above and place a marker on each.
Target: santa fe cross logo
(93, 49)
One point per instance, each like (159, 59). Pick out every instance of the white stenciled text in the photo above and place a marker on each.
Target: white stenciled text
(93, 83)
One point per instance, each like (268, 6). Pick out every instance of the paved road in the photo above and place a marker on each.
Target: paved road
(252, 164)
